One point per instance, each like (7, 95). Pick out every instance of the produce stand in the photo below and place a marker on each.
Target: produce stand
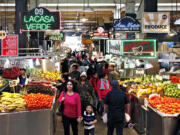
(137, 116)
(158, 124)
(37, 122)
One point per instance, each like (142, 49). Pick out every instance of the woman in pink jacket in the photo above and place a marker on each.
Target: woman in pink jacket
(72, 108)
(103, 87)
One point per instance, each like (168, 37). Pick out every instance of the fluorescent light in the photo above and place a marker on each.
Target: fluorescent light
(84, 19)
(7, 5)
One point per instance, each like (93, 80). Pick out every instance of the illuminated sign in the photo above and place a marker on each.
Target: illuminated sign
(100, 33)
(113, 47)
(139, 48)
(40, 19)
(156, 22)
(127, 24)
(57, 37)
(10, 45)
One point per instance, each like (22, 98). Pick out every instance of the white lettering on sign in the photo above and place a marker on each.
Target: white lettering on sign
(39, 11)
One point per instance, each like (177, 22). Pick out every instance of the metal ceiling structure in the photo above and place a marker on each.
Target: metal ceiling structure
(72, 10)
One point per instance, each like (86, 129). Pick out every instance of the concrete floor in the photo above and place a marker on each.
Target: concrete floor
(100, 129)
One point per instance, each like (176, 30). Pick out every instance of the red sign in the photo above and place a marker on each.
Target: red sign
(10, 45)
(101, 34)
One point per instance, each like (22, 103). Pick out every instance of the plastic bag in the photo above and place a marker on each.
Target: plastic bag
(127, 117)
(104, 117)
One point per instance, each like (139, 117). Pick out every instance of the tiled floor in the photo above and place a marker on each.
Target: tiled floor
(100, 129)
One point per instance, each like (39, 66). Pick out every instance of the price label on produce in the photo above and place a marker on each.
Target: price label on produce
(179, 86)
(162, 70)
(166, 77)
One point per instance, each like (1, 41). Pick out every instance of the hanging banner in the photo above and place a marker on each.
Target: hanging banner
(113, 47)
(139, 48)
(40, 19)
(127, 24)
(10, 45)
(156, 22)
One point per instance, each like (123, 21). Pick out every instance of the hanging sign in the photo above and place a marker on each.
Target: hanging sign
(156, 22)
(127, 24)
(113, 47)
(10, 45)
(2, 34)
(100, 33)
(139, 48)
(40, 19)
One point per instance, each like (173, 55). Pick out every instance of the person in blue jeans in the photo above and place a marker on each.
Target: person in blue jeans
(89, 119)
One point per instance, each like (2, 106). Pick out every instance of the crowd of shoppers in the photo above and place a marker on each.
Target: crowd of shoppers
(90, 87)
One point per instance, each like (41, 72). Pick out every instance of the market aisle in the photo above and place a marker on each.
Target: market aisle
(99, 130)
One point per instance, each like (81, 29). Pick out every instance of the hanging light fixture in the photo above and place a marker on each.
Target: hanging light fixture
(84, 19)
(88, 8)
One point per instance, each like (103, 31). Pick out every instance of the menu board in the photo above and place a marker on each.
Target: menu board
(10, 45)
(139, 48)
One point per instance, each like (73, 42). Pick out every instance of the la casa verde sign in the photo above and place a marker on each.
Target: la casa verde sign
(40, 19)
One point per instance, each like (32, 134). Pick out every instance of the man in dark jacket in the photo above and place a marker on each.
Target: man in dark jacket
(117, 102)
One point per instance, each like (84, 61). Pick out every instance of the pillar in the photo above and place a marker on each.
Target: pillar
(151, 6)
(21, 6)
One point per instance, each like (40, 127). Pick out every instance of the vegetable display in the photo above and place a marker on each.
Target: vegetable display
(171, 90)
(166, 105)
(38, 101)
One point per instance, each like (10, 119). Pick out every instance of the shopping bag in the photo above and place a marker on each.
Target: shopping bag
(127, 117)
(104, 117)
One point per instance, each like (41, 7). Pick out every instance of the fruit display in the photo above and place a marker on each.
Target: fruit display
(12, 102)
(2, 82)
(165, 105)
(51, 76)
(38, 101)
(171, 90)
(145, 89)
(41, 87)
(11, 73)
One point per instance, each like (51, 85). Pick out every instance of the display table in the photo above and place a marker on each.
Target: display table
(27, 123)
(158, 124)
(137, 115)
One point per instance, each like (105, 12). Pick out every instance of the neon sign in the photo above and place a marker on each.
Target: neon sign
(40, 19)
(126, 23)
(139, 48)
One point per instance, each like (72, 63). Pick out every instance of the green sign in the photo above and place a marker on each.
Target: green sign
(57, 37)
(139, 48)
(40, 19)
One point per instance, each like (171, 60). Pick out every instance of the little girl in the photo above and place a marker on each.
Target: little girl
(89, 120)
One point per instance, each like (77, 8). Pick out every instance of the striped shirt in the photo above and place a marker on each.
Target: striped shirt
(87, 119)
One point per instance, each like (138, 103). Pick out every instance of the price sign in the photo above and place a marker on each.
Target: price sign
(10, 45)
(167, 77)
(179, 86)
(140, 71)
(162, 70)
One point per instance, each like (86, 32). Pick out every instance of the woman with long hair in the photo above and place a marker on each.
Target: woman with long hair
(72, 108)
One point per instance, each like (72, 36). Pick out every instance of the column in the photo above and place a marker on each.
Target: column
(21, 6)
(151, 6)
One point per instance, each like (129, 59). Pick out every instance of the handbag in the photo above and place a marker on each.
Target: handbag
(61, 107)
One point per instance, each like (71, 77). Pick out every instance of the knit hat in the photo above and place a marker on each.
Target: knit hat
(83, 74)
(114, 84)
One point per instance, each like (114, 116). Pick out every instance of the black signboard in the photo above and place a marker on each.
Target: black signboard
(40, 19)
(127, 24)
(139, 48)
